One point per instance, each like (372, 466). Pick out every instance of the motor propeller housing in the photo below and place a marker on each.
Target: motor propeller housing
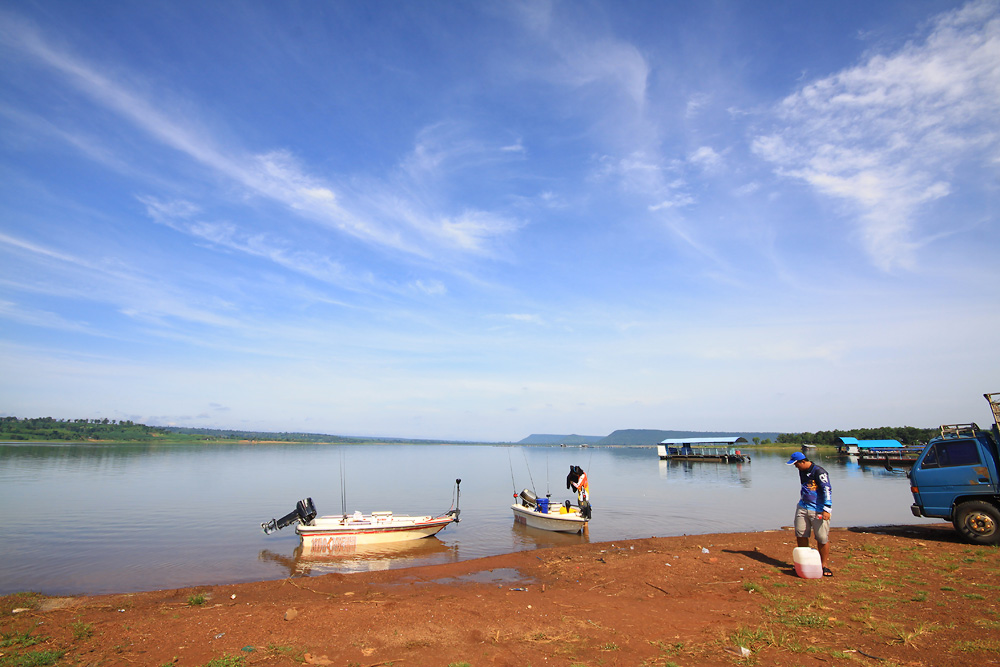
(304, 512)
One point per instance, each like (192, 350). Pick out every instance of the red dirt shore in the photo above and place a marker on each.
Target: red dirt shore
(902, 595)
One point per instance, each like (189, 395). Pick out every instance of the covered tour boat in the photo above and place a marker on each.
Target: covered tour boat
(713, 454)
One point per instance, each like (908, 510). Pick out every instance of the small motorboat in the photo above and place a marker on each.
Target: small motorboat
(336, 534)
(539, 513)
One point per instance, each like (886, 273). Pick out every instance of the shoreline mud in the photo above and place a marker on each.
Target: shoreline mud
(900, 595)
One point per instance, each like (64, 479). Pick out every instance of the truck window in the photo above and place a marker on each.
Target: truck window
(952, 453)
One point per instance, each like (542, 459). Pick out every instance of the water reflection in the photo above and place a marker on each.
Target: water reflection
(715, 471)
(363, 558)
(526, 537)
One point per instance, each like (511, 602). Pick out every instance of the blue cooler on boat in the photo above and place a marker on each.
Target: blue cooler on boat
(543, 505)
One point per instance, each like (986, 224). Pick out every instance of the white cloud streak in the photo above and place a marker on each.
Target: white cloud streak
(278, 175)
(886, 134)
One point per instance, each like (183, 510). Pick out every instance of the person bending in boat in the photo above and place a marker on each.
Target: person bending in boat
(576, 480)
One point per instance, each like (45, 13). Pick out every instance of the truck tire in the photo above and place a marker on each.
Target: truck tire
(978, 522)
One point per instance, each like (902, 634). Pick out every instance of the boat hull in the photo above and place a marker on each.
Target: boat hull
(551, 520)
(330, 535)
(722, 458)
(899, 456)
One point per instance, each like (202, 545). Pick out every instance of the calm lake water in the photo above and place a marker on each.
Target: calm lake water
(89, 519)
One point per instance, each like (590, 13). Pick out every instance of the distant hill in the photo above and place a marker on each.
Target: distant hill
(638, 437)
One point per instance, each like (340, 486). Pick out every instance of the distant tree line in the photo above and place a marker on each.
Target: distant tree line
(82, 430)
(231, 434)
(47, 428)
(906, 435)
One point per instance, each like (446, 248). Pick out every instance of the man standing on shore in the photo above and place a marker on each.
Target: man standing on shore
(812, 514)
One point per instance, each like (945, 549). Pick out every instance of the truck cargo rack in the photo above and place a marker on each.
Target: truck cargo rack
(959, 430)
(994, 400)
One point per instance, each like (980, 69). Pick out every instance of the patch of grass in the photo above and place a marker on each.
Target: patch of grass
(866, 584)
(19, 640)
(296, 654)
(668, 649)
(922, 629)
(973, 596)
(32, 659)
(197, 599)
(226, 661)
(24, 600)
(875, 549)
(991, 645)
(751, 587)
(82, 630)
(459, 664)
(919, 596)
(806, 621)
(610, 646)
(755, 638)
(988, 587)
(948, 588)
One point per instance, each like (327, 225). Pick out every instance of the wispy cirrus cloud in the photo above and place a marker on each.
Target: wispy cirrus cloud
(128, 290)
(370, 215)
(888, 134)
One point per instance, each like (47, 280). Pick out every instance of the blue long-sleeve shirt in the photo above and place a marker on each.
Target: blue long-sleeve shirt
(816, 491)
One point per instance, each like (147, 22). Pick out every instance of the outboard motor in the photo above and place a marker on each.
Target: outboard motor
(455, 511)
(304, 512)
(585, 510)
(529, 498)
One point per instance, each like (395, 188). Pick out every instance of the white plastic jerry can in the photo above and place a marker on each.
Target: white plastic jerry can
(807, 563)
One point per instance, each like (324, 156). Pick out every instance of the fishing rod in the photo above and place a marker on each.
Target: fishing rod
(511, 463)
(548, 490)
(343, 485)
(529, 472)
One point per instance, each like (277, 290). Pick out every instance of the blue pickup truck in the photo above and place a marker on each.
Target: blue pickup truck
(956, 478)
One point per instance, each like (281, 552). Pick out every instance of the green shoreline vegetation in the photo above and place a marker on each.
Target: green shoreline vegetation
(48, 429)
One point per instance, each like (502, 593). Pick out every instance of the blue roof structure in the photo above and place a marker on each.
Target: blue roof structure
(871, 444)
(879, 444)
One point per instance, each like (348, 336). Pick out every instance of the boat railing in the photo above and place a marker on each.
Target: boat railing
(678, 450)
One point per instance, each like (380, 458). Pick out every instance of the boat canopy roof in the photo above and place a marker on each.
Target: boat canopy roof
(871, 444)
(738, 440)
(878, 444)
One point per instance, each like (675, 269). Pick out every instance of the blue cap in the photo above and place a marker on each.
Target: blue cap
(797, 456)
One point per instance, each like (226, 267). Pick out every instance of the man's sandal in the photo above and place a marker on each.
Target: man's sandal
(827, 572)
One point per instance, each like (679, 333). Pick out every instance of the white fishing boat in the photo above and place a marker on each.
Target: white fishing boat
(329, 535)
(539, 513)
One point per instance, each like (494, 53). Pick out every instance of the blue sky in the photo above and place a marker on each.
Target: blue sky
(478, 221)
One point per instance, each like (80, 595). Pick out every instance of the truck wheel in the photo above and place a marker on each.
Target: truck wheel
(978, 522)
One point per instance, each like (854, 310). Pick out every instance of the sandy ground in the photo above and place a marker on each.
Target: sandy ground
(908, 595)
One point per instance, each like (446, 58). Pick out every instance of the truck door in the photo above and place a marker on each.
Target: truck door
(950, 469)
